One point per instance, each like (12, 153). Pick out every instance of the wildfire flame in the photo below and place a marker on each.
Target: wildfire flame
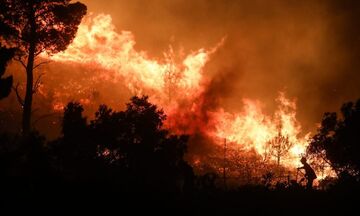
(253, 129)
(177, 87)
(97, 42)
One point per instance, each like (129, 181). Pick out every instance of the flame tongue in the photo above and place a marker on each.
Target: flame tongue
(253, 129)
(98, 42)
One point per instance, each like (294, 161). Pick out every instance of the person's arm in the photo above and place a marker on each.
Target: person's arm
(303, 167)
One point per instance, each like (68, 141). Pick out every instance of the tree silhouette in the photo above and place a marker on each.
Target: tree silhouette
(135, 140)
(130, 146)
(73, 121)
(34, 27)
(279, 146)
(337, 140)
(75, 151)
(5, 83)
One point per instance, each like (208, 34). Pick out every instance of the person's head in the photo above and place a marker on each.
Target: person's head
(303, 160)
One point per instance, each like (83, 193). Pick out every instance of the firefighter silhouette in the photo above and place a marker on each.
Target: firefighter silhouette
(309, 173)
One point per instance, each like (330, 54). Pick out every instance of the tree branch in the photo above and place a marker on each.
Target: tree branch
(42, 63)
(21, 61)
(39, 52)
(37, 83)
(326, 160)
(20, 100)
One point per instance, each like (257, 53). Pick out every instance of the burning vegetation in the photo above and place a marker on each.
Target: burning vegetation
(106, 68)
(175, 135)
(177, 83)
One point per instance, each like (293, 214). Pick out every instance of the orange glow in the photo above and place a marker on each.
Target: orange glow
(59, 107)
(178, 86)
(97, 42)
(253, 129)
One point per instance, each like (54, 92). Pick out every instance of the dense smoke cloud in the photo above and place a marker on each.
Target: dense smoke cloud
(310, 49)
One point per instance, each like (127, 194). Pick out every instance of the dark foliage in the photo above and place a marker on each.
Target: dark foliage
(338, 139)
(126, 158)
(48, 24)
(34, 27)
(5, 83)
(129, 146)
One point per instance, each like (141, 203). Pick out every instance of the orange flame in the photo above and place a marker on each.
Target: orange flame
(97, 42)
(253, 129)
(177, 86)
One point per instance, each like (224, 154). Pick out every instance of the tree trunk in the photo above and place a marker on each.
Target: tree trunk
(26, 120)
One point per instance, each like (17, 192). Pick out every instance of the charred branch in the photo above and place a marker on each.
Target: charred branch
(37, 83)
(19, 98)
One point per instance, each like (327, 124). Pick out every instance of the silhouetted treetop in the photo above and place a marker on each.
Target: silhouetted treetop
(140, 124)
(338, 139)
(279, 146)
(132, 140)
(142, 111)
(50, 24)
(73, 121)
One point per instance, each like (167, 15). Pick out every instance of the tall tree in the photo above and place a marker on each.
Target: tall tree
(338, 139)
(35, 27)
(279, 146)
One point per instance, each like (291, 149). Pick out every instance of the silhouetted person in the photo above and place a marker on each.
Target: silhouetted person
(309, 173)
